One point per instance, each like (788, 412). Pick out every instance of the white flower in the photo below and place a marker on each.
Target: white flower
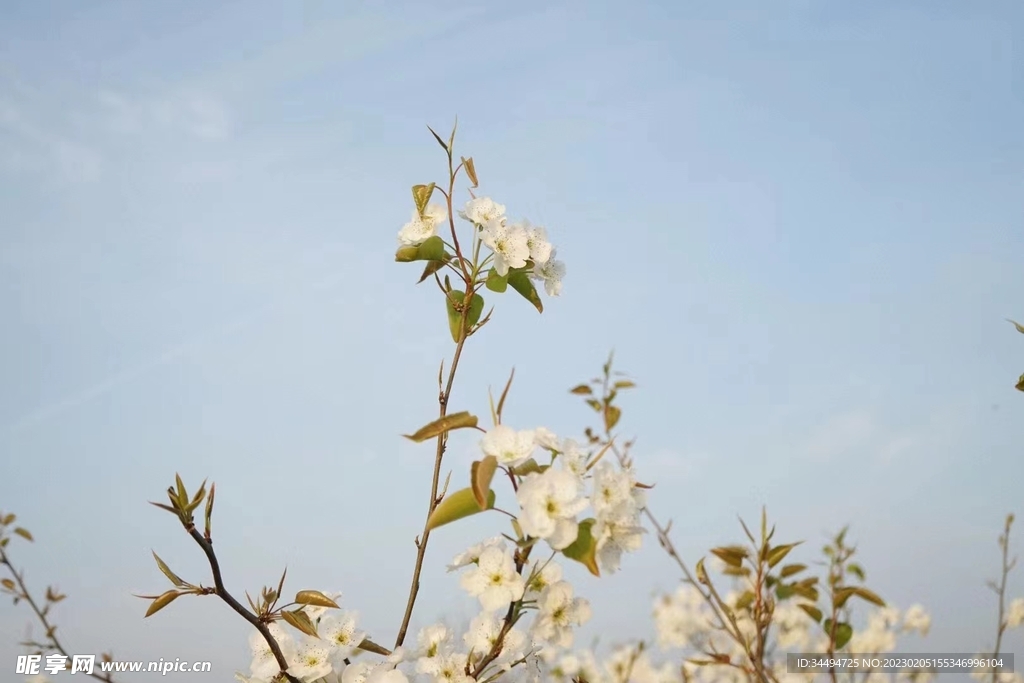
(616, 535)
(494, 580)
(573, 459)
(482, 210)
(550, 574)
(545, 438)
(613, 489)
(537, 243)
(1015, 614)
(433, 641)
(339, 630)
(552, 272)
(472, 556)
(509, 244)
(550, 502)
(483, 635)
(264, 664)
(679, 617)
(510, 447)
(557, 612)
(421, 228)
(452, 669)
(311, 662)
(916, 619)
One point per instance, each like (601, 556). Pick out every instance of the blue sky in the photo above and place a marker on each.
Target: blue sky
(795, 224)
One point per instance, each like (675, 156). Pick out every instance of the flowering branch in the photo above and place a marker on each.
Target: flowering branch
(19, 589)
(1000, 590)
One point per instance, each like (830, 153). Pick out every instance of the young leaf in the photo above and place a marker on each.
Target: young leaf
(520, 282)
(421, 195)
(470, 171)
(23, 533)
(457, 505)
(431, 249)
(1020, 383)
(581, 390)
(732, 555)
(439, 140)
(811, 611)
(504, 393)
(174, 578)
(315, 598)
(299, 620)
(869, 596)
(529, 467)
(162, 601)
(584, 548)
(1020, 328)
(791, 569)
(481, 475)
(778, 553)
(448, 423)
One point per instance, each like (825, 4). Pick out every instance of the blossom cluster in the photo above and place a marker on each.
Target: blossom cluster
(513, 245)
(497, 573)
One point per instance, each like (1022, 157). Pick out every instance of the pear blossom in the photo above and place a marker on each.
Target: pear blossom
(494, 581)
(558, 612)
(421, 228)
(482, 210)
(545, 438)
(311, 662)
(541, 577)
(551, 272)
(264, 664)
(537, 242)
(510, 447)
(472, 556)
(1015, 613)
(550, 502)
(916, 619)
(509, 244)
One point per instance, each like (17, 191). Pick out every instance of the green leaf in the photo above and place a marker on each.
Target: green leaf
(23, 533)
(457, 505)
(584, 548)
(1020, 328)
(784, 591)
(476, 308)
(529, 467)
(496, 283)
(1020, 383)
(431, 268)
(581, 390)
(162, 601)
(454, 317)
(856, 570)
(315, 598)
(732, 555)
(811, 611)
(481, 474)
(522, 284)
(421, 195)
(842, 595)
(843, 634)
(778, 553)
(745, 600)
(463, 420)
(791, 569)
(431, 249)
